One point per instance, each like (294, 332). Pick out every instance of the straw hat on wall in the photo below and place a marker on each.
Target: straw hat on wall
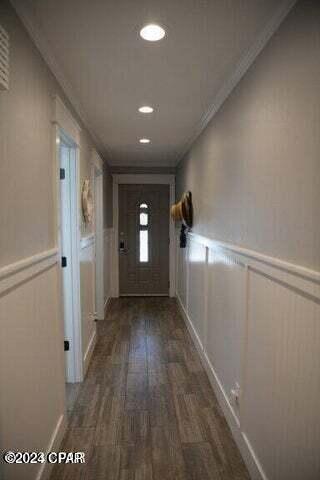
(183, 211)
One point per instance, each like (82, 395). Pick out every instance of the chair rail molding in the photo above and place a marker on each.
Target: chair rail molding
(15, 273)
(253, 258)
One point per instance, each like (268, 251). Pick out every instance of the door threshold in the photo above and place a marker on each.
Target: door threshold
(144, 295)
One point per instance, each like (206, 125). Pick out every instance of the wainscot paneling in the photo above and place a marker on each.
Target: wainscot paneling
(181, 274)
(32, 394)
(87, 258)
(196, 287)
(226, 319)
(256, 323)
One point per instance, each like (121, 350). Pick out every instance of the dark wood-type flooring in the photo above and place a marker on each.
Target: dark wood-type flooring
(146, 409)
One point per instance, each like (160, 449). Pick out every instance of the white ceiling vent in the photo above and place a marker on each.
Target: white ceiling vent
(4, 59)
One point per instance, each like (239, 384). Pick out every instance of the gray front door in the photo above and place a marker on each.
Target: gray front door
(144, 239)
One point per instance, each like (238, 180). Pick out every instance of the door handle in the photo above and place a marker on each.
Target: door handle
(122, 249)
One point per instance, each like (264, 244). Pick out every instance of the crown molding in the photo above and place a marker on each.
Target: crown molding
(241, 68)
(24, 12)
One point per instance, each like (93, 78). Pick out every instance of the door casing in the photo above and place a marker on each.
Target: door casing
(66, 128)
(99, 253)
(71, 287)
(150, 278)
(142, 180)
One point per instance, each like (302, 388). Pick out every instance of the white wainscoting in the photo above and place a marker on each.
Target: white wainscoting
(108, 266)
(87, 281)
(32, 380)
(256, 323)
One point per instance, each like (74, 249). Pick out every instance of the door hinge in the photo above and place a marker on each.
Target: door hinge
(63, 262)
(62, 173)
(66, 345)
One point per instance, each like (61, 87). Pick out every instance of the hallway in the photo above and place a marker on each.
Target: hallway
(159, 243)
(146, 409)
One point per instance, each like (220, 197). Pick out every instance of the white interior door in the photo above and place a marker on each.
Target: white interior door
(66, 253)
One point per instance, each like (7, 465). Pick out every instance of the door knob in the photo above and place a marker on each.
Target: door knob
(122, 248)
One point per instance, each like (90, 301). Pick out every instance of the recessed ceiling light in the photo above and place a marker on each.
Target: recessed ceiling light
(146, 109)
(152, 32)
(144, 140)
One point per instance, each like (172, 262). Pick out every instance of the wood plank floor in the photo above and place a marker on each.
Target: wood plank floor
(146, 410)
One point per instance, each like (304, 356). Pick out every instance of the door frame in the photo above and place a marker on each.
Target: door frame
(97, 175)
(145, 179)
(66, 128)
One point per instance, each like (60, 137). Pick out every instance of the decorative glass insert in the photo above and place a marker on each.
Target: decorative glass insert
(143, 233)
(143, 219)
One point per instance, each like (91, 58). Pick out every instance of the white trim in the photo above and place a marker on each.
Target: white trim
(97, 174)
(89, 351)
(143, 295)
(296, 276)
(21, 271)
(29, 21)
(239, 71)
(54, 444)
(63, 127)
(87, 241)
(251, 461)
(273, 261)
(143, 180)
(77, 322)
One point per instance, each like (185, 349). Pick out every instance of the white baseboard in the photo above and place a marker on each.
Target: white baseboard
(89, 352)
(54, 445)
(248, 455)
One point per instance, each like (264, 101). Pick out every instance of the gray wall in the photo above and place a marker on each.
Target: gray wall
(255, 170)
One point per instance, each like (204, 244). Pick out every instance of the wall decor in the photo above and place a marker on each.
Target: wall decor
(183, 211)
(87, 201)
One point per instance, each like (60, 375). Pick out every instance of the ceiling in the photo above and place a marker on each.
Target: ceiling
(112, 71)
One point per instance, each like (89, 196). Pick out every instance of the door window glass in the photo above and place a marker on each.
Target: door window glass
(143, 233)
